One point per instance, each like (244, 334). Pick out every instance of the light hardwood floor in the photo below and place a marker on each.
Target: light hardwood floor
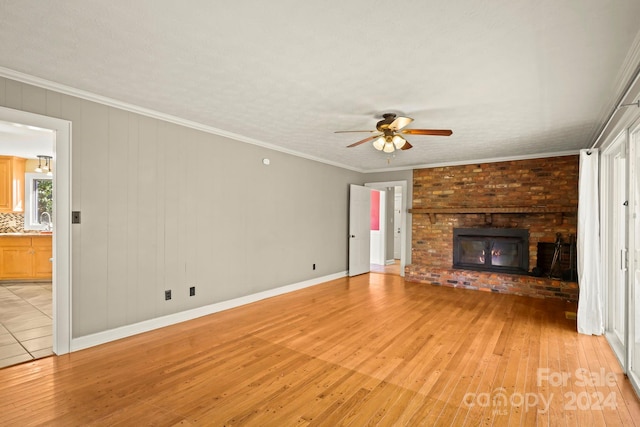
(386, 269)
(368, 350)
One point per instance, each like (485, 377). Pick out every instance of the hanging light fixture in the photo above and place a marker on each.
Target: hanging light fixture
(48, 166)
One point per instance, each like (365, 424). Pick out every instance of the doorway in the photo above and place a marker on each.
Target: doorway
(61, 209)
(392, 227)
(26, 244)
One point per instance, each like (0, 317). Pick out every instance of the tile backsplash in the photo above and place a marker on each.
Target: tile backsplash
(11, 223)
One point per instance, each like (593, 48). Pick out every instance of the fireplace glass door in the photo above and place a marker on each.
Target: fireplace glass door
(473, 251)
(491, 250)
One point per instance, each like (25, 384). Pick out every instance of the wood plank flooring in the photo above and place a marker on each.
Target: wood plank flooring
(368, 350)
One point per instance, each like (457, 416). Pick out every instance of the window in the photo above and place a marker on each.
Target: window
(39, 200)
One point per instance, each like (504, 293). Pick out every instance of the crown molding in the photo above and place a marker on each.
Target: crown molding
(78, 93)
(478, 161)
(89, 96)
(625, 80)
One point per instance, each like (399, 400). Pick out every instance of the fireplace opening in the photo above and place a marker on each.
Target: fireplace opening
(503, 250)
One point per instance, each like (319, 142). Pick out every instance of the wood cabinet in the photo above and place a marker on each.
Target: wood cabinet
(42, 254)
(25, 257)
(11, 184)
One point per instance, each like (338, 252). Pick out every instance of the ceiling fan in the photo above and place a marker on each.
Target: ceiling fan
(388, 137)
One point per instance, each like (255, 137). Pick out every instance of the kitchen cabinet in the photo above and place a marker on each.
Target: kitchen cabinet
(25, 257)
(11, 184)
(42, 254)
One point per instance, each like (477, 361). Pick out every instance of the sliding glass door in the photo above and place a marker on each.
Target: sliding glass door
(633, 370)
(614, 215)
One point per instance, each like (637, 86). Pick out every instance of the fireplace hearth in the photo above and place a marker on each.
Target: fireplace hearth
(502, 250)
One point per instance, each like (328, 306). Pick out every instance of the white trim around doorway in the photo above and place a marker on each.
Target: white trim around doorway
(62, 220)
(403, 216)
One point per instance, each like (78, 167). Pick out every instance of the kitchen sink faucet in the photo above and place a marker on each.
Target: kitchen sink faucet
(48, 226)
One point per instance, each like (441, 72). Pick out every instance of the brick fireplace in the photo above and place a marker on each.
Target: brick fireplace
(537, 195)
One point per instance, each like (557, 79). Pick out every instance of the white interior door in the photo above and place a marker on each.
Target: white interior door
(359, 229)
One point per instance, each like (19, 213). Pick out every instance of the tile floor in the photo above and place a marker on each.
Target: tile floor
(25, 322)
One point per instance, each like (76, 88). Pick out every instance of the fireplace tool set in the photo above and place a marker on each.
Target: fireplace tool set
(571, 274)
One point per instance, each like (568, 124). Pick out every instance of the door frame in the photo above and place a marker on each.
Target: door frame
(61, 280)
(380, 254)
(403, 215)
(633, 174)
(397, 194)
(609, 258)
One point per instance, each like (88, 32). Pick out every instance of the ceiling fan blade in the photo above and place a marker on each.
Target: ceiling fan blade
(371, 138)
(400, 122)
(406, 146)
(351, 131)
(435, 132)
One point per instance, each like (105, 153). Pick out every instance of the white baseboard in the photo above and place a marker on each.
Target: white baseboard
(171, 319)
(635, 382)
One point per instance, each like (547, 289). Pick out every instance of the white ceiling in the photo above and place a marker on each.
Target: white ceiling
(509, 77)
(28, 142)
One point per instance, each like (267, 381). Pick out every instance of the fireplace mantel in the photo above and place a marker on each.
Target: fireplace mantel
(488, 211)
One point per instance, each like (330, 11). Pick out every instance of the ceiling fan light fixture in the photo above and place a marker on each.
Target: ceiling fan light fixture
(399, 141)
(378, 144)
(389, 139)
(400, 122)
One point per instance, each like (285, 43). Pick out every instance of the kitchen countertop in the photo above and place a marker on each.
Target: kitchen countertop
(35, 233)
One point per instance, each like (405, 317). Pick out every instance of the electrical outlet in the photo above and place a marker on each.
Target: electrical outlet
(192, 291)
(167, 295)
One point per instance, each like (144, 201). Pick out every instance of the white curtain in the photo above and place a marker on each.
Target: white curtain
(589, 272)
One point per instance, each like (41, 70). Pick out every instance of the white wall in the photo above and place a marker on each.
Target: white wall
(169, 207)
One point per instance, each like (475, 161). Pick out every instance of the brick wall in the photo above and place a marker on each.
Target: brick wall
(538, 183)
